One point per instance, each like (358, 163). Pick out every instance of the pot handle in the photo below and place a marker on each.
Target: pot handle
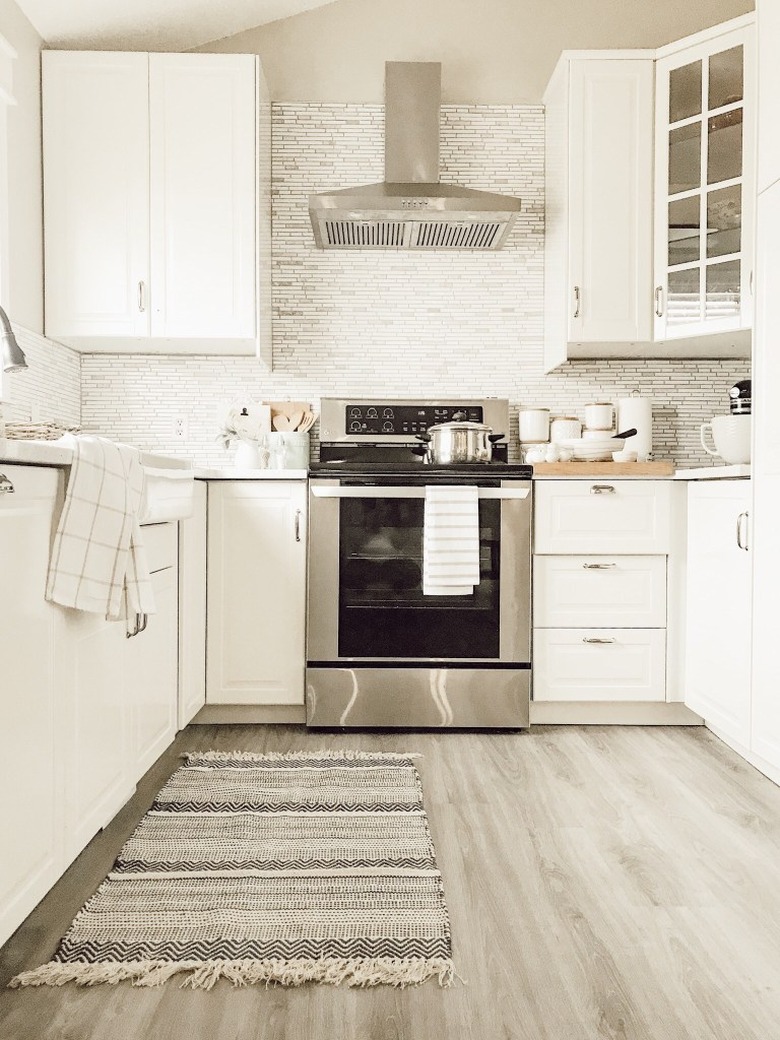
(494, 437)
(424, 437)
(421, 450)
(702, 428)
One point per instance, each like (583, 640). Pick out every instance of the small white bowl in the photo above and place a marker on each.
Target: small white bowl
(624, 456)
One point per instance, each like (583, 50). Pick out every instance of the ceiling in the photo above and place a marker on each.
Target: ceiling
(152, 24)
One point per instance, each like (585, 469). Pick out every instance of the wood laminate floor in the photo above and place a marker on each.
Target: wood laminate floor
(603, 882)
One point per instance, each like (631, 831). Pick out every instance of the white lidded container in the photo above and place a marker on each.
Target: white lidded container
(534, 425)
(564, 426)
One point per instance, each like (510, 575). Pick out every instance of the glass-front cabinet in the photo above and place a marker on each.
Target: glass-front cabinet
(705, 114)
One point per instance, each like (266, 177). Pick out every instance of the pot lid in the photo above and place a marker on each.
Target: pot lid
(461, 424)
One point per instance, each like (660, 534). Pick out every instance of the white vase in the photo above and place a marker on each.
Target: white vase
(248, 456)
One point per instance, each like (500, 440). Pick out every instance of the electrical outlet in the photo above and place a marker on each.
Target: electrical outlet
(180, 427)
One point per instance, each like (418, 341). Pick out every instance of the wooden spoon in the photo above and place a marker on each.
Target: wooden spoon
(294, 420)
(280, 422)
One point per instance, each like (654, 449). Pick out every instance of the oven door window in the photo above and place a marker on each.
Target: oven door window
(382, 610)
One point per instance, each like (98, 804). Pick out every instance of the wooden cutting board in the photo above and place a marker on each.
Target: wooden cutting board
(662, 468)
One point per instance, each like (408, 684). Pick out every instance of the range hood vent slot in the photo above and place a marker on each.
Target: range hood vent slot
(412, 208)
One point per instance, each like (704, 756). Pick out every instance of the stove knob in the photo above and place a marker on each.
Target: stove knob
(354, 426)
(387, 413)
(372, 413)
(387, 427)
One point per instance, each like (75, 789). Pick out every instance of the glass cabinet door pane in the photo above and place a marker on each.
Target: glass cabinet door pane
(724, 221)
(684, 230)
(684, 158)
(685, 92)
(684, 297)
(724, 146)
(723, 290)
(725, 77)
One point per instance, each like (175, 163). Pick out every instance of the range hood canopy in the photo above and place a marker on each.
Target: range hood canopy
(411, 208)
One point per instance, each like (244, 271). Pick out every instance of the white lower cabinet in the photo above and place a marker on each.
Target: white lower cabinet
(30, 704)
(599, 664)
(600, 589)
(718, 615)
(256, 592)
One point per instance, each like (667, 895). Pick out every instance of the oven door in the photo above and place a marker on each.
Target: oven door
(366, 603)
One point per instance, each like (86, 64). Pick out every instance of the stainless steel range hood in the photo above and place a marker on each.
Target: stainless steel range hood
(412, 209)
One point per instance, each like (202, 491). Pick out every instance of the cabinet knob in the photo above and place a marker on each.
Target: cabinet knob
(6, 487)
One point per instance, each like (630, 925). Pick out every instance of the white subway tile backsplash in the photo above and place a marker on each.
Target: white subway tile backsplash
(48, 390)
(397, 324)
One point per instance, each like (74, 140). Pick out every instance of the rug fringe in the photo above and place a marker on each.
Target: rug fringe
(362, 972)
(280, 756)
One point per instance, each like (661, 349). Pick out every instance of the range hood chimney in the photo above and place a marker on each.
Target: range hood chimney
(411, 208)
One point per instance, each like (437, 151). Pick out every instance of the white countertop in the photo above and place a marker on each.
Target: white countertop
(714, 473)
(233, 473)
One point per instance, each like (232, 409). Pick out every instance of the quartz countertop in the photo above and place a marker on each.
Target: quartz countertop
(740, 472)
(233, 473)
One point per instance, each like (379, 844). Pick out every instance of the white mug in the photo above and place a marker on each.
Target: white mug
(731, 437)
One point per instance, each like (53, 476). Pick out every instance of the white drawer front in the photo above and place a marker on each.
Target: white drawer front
(631, 667)
(600, 591)
(161, 542)
(602, 516)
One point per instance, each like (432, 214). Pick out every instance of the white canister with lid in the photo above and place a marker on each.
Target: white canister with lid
(599, 416)
(564, 427)
(534, 425)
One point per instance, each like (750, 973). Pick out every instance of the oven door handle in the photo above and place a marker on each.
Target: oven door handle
(350, 491)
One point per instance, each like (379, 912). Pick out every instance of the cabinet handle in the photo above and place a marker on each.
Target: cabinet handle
(594, 639)
(742, 542)
(576, 301)
(659, 301)
(6, 487)
(141, 303)
(144, 622)
(602, 489)
(598, 566)
(136, 629)
(297, 525)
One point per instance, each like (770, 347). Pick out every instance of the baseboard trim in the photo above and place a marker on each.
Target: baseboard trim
(612, 713)
(759, 763)
(271, 714)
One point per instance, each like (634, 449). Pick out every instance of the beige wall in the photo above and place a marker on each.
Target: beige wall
(492, 51)
(25, 275)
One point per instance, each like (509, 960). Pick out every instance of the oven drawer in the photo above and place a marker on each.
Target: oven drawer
(602, 516)
(600, 591)
(599, 664)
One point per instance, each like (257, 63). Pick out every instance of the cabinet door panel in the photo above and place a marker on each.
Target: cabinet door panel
(602, 516)
(31, 815)
(96, 186)
(151, 675)
(599, 664)
(255, 650)
(596, 591)
(202, 161)
(717, 666)
(610, 177)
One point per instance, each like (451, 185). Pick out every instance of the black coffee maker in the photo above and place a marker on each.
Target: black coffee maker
(740, 396)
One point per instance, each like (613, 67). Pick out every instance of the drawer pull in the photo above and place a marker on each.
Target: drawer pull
(6, 487)
(602, 489)
(594, 639)
(598, 566)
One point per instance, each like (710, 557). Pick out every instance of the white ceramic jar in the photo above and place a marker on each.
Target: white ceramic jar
(599, 415)
(564, 427)
(534, 425)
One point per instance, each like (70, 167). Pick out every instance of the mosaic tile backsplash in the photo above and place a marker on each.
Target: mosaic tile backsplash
(395, 324)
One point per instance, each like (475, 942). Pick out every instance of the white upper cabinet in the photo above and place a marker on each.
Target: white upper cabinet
(152, 215)
(648, 248)
(705, 186)
(598, 202)
(768, 37)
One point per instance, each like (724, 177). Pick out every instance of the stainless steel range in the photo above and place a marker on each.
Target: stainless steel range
(381, 650)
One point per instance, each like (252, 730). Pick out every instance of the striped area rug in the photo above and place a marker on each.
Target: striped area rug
(280, 868)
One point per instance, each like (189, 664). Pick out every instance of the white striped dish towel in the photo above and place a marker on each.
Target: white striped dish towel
(98, 562)
(450, 540)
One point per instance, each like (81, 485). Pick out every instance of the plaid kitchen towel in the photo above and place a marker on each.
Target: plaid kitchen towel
(450, 540)
(98, 562)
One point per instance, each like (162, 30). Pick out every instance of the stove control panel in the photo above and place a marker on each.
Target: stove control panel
(394, 420)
